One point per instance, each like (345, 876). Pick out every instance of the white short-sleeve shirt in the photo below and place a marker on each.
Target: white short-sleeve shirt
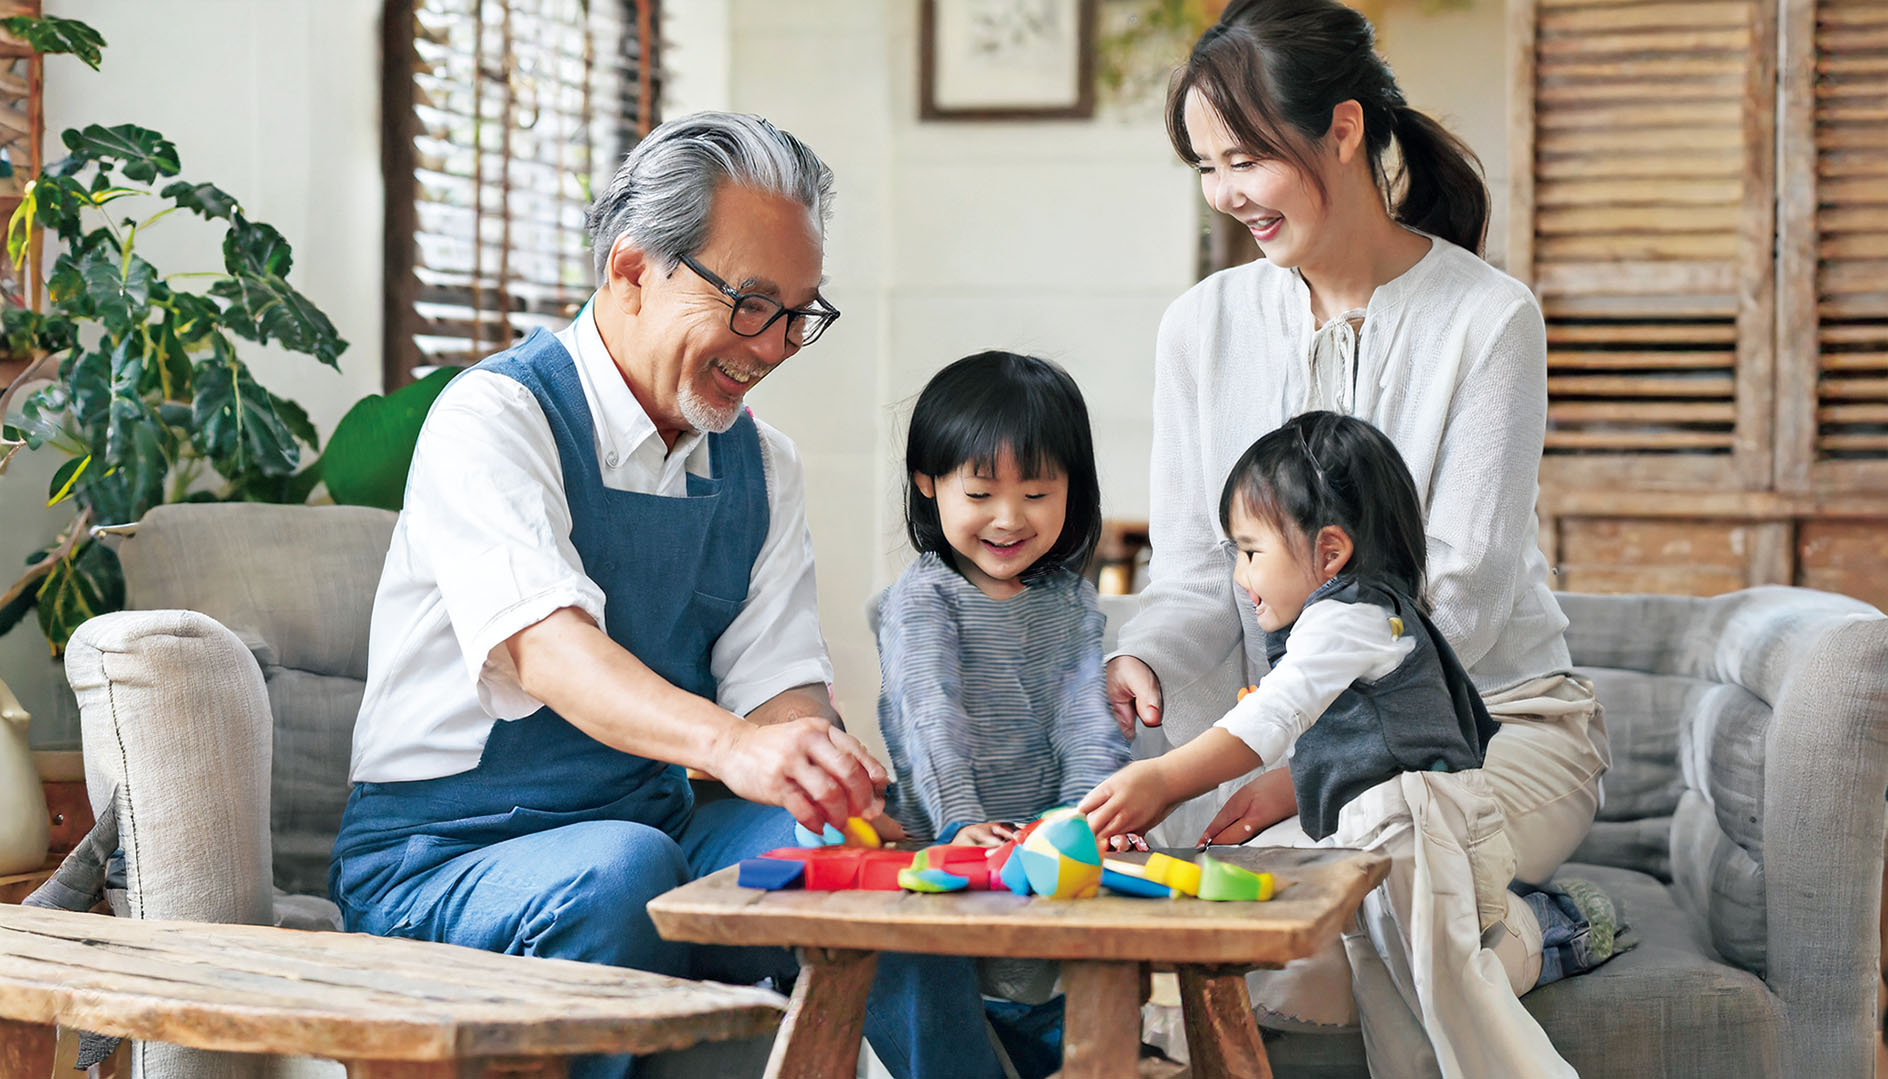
(482, 550)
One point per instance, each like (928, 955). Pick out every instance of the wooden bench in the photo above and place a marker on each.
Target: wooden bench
(383, 1007)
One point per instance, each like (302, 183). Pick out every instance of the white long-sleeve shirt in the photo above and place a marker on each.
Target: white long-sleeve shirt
(1333, 645)
(482, 550)
(1451, 364)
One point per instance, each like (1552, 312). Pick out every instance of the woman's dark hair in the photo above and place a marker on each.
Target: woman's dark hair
(1274, 69)
(993, 403)
(1322, 468)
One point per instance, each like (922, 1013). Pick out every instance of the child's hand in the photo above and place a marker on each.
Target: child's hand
(1127, 841)
(1132, 800)
(988, 834)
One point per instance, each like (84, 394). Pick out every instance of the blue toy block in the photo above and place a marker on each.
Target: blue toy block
(1127, 884)
(771, 874)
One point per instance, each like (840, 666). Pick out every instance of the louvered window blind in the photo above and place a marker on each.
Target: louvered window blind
(1850, 128)
(503, 117)
(1649, 242)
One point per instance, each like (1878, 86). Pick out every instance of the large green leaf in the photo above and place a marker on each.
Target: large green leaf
(236, 424)
(121, 300)
(265, 309)
(208, 200)
(372, 447)
(52, 35)
(192, 316)
(167, 370)
(88, 583)
(255, 249)
(146, 155)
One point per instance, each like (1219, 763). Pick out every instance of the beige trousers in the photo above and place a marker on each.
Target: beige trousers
(1542, 780)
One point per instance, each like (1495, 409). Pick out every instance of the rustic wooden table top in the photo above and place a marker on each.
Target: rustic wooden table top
(1318, 889)
(346, 996)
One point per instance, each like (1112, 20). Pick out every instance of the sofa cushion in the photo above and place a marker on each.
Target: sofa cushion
(1670, 1006)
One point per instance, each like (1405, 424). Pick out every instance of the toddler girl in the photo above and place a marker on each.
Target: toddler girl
(992, 701)
(1385, 735)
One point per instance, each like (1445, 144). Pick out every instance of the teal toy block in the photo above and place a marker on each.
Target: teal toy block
(931, 880)
(1128, 884)
(832, 837)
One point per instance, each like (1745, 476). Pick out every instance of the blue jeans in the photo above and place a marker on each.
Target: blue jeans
(578, 892)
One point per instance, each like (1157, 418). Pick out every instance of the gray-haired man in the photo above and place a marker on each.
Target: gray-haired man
(602, 574)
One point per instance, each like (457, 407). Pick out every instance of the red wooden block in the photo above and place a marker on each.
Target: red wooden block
(972, 863)
(878, 869)
(833, 869)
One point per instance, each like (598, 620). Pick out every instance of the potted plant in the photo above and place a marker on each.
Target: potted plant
(139, 381)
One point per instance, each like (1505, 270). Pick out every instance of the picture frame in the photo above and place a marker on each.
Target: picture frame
(1007, 59)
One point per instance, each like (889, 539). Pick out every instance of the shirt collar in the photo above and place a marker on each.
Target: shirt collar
(624, 429)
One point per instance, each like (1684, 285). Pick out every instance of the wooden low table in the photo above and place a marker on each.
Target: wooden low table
(1105, 945)
(384, 1007)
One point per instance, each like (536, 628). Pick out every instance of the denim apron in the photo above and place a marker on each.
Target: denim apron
(674, 572)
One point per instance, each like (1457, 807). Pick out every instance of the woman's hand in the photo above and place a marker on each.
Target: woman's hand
(1133, 692)
(1131, 801)
(988, 834)
(1252, 809)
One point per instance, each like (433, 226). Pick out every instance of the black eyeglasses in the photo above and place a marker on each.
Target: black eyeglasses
(753, 313)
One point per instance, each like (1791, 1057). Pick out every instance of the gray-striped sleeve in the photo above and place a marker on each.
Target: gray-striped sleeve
(921, 712)
(1087, 741)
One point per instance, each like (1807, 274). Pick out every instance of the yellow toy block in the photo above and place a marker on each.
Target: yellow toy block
(1182, 876)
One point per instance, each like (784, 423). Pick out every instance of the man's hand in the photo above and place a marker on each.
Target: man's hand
(813, 770)
(1252, 809)
(1133, 692)
(988, 834)
(1132, 800)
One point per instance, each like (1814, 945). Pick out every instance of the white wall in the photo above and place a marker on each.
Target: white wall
(1065, 239)
(277, 103)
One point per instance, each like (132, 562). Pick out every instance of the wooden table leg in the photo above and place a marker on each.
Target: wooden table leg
(26, 1049)
(819, 1038)
(1222, 1036)
(1101, 1034)
(486, 1068)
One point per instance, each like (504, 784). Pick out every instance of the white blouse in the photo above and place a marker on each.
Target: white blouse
(1450, 363)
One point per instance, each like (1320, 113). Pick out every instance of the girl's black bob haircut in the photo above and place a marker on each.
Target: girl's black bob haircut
(983, 406)
(1321, 468)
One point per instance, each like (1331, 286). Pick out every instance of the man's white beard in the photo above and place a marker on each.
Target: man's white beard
(703, 416)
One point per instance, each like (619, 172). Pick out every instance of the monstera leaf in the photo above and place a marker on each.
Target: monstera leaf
(144, 154)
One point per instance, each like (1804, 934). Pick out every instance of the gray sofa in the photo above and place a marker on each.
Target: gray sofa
(218, 712)
(1742, 832)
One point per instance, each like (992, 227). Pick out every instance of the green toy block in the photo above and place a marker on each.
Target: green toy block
(1223, 882)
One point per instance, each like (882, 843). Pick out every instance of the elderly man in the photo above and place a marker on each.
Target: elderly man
(603, 575)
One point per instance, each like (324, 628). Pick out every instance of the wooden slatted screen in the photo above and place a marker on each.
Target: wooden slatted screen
(502, 119)
(1644, 198)
(1833, 336)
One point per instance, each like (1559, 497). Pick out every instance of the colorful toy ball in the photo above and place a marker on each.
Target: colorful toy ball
(1010, 871)
(1061, 857)
(1223, 882)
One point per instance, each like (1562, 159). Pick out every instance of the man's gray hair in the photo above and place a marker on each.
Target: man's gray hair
(662, 194)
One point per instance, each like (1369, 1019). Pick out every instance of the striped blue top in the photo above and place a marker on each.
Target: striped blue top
(991, 709)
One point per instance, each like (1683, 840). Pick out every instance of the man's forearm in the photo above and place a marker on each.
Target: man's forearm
(575, 668)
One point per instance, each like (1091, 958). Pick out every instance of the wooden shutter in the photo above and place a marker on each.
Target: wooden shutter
(1642, 173)
(503, 118)
(1832, 412)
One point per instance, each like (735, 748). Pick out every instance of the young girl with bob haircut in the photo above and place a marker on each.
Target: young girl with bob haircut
(1370, 301)
(991, 700)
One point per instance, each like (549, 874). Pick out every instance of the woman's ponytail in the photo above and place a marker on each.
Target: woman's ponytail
(1444, 194)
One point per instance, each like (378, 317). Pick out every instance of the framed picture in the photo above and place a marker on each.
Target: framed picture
(1007, 59)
